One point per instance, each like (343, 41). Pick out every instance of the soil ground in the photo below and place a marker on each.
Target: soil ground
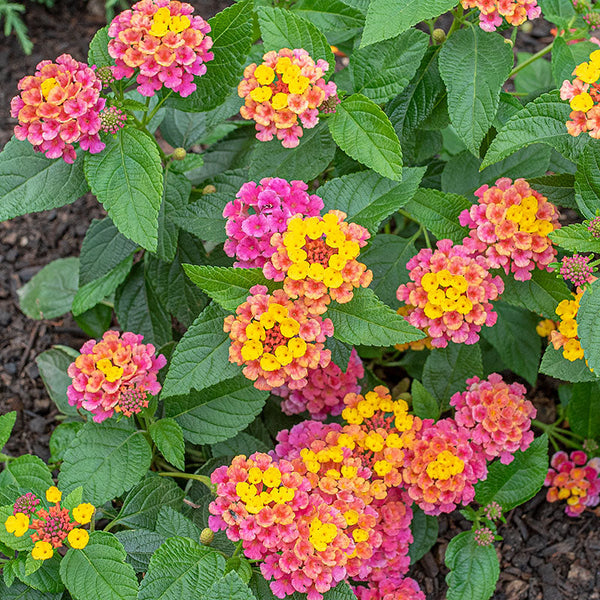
(544, 554)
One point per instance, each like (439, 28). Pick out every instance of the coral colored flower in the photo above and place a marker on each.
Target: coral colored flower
(575, 479)
(516, 12)
(42, 551)
(593, 226)
(277, 340)
(510, 227)
(484, 536)
(442, 466)
(27, 504)
(283, 94)
(163, 43)
(115, 374)
(391, 588)
(497, 414)
(112, 119)
(565, 336)
(78, 538)
(259, 211)
(17, 524)
(324, 393)
(58, 107)
(449, 294)
(545, 327)
(576, 269)
(52, 525)
(316, 259)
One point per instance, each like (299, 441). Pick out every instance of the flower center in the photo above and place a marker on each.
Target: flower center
(163, 22)
(111, 372)
(445, 293)
(446, 465)
(47, 86)
(317, 251)
(321, 534)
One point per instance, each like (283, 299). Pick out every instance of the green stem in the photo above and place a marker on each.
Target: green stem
(531, 59)
(201, 478)
(427, 240)
(150, 116)
(457, 21)
(238, 549)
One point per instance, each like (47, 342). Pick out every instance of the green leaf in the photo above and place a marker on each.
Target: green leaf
(474, 64)
(335, 18)
(242, 443)
(281, 28)
(92, 293)
(584, 410)
(587, 325)
(557, 188)
(103, 248)
(474, 569)
(368, 198)
(387, 256)
(541, 121)
(29, 472)
(515, 339)
(216, 413)
(143, 503)
(575, 238)
(95, 321)
(176, 194)
(447, 370)
(53, 365)
(425, 533)
(168, 437)
(107, 459)
(140, 545)
(99, 571)
(587, 181)
(30, 182)
(20, 591)
(439, 212)
(231, 32)
(230, 587)
(388, 18)
(7, 422)
(514, 484)
(50, 292)
(75, 498)
(171, 523)
(367, 320)
(363, 131)
(308, 160)
(556, 365)
(62, 438)
(139, 309)
(98, 53)
(228, 286)
(383, 70)
(204, 217)
(127, 178)
(201, 358)
(181, 568)
(565, 57)
(534, 78)
(42, 577)
(540, 294)
(183, 129)
(424, 404)
(560, 12)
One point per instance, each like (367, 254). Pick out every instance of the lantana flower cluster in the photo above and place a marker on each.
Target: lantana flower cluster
(52, 526)
(583, 94)
(450, 293)
(283, 94)
(116, 374)
(510, 226)
(575, 479)
(260, 210)
(59, 106)
(498, 415)
(516, 12)
(577, 270)
(565, 336)
(163, 42)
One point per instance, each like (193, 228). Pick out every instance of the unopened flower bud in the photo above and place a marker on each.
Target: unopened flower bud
(484, 536)
(438, 35)
(209, 189)
(206, 536)
(179, 154)
(527, 27)
(509, 42)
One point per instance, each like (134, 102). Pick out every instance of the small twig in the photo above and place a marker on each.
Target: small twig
(29, 346)
(190, 503)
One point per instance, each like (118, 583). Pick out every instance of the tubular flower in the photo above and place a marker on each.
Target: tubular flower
(516, 12)
(27, 504)
(316, 259)
(259, 211)
(277, 340)
(565, 336)
(283, 94)
(449, 294)
(493, 511)
(576, 269)
(52, 525)
(441, 467)
(545, 327)
(575, 479)
(164, 41)
(583, 94)
(112, 119)
(497, 414)
(593, 226)
(422, 344)
(484, 536)
(510, 227)
(114, 375)
(58, 107)
(325, 390)
(392, 588)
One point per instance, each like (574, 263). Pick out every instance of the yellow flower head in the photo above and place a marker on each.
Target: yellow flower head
(83, 513)
(17, 524)
(42, 551)
(53, 494)
(78, 538)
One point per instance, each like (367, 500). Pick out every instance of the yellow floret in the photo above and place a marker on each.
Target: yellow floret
(332, 278)
(252, 349)
(289, 327)
(283, 355)
(298, 270)
(279, 101)
(297, 347)
(264, 74)
(272, 477)
(268, 362)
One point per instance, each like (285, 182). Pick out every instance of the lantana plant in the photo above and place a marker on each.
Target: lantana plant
(344, 242)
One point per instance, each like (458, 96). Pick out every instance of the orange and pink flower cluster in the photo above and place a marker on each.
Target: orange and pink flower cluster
(163, 42)
(115, 374)
(516, 12)
(59, 106)
(283, 94)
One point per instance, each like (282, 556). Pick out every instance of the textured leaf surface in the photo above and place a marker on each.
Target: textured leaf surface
(30, 182)
(363, 131)
(230, 587)
(557, 366)
(107, 459)
(584, 410)
(587, 325)
(171, 522)
(20, 591)
(575, 238)
(7, 422)
(168, 437)
(176, 194)
(53, 365)
(29, 472)
(337, 19)
(43, 577)
(98, 53)
(587, 181)
(425, 533)
(127, 178)
(140, 545)
(557, 188)
(424, 404)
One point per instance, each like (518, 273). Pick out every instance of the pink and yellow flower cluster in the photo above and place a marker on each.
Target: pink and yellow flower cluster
(283, 94)
(163, 42)
(516, 12)
(59, 106)
(115, 374)
(575, 479)
(52, 526)
(510, 226)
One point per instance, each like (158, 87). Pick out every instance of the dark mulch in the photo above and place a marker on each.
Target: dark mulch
(544, 555)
